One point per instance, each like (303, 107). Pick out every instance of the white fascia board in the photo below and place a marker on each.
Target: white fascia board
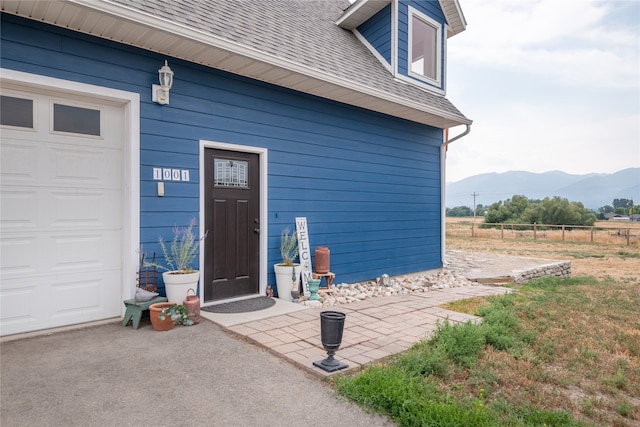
(454, 16)
(463, 20)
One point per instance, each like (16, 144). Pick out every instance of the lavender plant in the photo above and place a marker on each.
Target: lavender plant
(183, 248)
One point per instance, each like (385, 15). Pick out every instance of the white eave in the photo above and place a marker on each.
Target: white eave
(455, 17)
(361, 10)
(122, 24)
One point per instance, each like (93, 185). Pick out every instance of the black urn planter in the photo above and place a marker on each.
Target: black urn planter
(331, 328)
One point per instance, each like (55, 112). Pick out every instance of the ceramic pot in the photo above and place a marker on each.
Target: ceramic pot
(192, 304)
(154, 314)
(314, 287)
(176, 284)
(285, 278)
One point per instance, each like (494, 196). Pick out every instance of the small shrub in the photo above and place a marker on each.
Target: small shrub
(624, 409)
(461, 342)
(618, 380)
(502, 327)
(423, 360)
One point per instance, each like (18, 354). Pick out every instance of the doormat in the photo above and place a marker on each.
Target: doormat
(242, 306)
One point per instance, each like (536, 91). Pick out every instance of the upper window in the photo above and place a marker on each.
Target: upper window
(16, 112)
(67, 118)
(424, 47)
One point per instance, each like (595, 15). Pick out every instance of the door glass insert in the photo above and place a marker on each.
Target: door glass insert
(16, 112)
(67, 118)
(230, 173)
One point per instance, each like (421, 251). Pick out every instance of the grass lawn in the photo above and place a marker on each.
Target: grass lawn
(558, 352)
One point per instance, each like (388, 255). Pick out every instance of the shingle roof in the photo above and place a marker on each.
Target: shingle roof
(296, 36)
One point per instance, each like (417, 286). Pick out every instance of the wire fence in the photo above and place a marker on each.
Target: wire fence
(622, 234)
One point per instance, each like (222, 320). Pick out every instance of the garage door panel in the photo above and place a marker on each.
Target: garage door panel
(19, 256)
(19, 162)
(86, 295)
(79, 296)
(84, 251)
(81, 168)
(18, 305)
(82, 209)
(19, 209)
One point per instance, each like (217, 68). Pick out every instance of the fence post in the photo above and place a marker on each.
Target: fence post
(535, 229)
(563, 232)
(628, 234)
(502, 231)
(473, 226)
(591, 234)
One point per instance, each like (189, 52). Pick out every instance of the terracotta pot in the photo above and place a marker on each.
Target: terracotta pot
(154, 314)
(322, 259)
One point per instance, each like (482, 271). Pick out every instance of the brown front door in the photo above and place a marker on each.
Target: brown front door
(232, 216)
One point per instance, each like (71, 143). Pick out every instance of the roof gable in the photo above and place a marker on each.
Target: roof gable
(290, 43)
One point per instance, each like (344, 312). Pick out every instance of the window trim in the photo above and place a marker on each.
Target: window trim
(411, 13)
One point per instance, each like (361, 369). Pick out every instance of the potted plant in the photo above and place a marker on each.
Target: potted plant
(164, 315)
(287, 272)
(179, 254)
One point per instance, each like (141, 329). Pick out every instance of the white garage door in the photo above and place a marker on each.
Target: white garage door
(61, 210)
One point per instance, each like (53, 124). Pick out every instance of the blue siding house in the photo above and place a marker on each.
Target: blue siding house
(296, 108)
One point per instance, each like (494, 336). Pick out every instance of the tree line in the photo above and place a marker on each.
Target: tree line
(619, 207)
(555, 210)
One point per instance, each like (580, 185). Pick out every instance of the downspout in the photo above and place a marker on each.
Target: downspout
(443, 159)
(449, 141)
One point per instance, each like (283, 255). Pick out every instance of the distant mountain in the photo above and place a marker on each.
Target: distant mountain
(593, 190)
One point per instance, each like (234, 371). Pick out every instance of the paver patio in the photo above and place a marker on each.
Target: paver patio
(374, 329)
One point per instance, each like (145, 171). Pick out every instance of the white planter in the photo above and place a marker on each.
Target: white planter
(177, 285)
(283, 280)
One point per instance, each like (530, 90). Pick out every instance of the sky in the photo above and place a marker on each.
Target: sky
(550, 85)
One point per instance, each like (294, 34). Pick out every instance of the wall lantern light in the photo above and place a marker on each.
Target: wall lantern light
(160, 93)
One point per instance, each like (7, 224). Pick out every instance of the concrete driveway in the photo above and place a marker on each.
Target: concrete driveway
(108, 375)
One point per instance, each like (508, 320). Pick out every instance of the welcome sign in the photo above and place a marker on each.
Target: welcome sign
(304, 252)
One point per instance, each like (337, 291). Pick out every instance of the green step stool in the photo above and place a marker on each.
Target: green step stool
(135, 309)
